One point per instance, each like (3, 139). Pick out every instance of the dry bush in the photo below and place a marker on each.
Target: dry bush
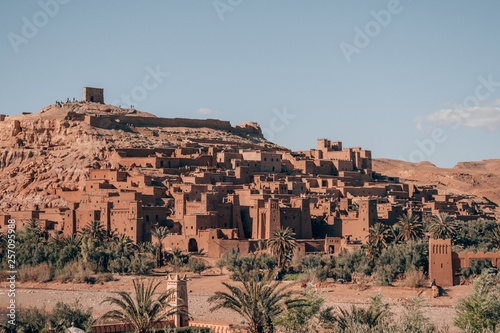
(83, 276)
(63, 276)
(415, 279)
(104, 277)
(307, 276)
(67, 273)
(40, 273)
(295, 264)
(361, 281)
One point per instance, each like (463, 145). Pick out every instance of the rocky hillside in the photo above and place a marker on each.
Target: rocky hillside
(481, 179)
(53, 148)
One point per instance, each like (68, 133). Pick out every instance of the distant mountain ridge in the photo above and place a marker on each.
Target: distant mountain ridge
(479, 178)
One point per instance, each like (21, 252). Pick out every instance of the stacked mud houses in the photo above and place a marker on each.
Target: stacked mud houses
(214, 199)
(215, 195)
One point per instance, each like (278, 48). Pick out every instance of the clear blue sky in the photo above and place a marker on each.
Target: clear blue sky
(252, 59)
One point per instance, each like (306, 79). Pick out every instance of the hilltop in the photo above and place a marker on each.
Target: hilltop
(55, 147)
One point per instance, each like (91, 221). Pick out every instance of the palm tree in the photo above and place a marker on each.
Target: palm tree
(124, 244)
(33, 229)
(61, 241)
(33, 224)
(379, 236)
(94, 230)
(282, 244)
(258, 302)
(370, 316)
(176, 256)
(160, 233)
(109, 235)
(443, 226)
(410, 227)
(140, 310)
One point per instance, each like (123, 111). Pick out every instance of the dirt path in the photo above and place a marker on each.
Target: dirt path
(440, 310)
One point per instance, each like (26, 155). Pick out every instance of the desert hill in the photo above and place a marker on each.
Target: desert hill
(54, 147)
(481, 178)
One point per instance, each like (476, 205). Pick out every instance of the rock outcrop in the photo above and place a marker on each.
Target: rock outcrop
(54, 148)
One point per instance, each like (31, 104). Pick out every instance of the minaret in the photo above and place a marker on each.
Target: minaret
(179, 298)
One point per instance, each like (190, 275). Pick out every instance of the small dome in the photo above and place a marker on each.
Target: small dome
(73, 329)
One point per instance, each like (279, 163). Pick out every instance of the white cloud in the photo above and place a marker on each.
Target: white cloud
(205, 111)
(481, 117)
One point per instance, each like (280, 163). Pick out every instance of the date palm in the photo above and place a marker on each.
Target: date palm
(123, 244)
(282, 244)
(33, 230)
(379, 236)
(370, 316)
(410, 227)
(259, 302)
(443, 226)
(94, 230)
(160, 233)
(62, 241)
(141, 310)
(176, 257)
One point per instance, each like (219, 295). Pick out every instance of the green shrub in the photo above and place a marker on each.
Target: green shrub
(413, 319)
(119, 265)
(480, 310)
(66, 314)
(303, 319)
(290, 277)
(473, 235)
(142, 264)
(28, 320)
(196, 265)
(475, 268)
(349, 262)
(400, 258)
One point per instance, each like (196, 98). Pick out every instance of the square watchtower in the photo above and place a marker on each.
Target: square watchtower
(93, 95)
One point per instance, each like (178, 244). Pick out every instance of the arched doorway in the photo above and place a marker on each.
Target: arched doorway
(192, 245)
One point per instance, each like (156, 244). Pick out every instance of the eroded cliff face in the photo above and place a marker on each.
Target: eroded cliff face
(55, 148)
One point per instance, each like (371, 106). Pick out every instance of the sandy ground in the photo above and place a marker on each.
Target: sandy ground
(440, 310)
